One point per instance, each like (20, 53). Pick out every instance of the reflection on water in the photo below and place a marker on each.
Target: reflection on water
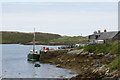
(15, 64)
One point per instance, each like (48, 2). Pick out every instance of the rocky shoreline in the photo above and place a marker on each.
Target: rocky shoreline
(87, 65)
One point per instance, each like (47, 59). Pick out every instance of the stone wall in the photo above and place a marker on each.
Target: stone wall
(51, 53)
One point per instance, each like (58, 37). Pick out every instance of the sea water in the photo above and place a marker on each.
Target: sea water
(15, 64)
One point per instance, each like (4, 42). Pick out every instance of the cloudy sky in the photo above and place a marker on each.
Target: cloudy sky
(65, 18)
(59, 0)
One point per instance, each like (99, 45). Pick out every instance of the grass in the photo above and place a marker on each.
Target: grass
(80, 47)
(115, 64)
(75, 39)
(112, 48)
(19, 37)
(98, 48)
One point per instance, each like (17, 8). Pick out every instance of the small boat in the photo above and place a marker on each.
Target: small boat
(37, 65)
(33, 55)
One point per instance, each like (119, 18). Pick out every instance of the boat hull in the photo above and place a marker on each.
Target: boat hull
(33, 57)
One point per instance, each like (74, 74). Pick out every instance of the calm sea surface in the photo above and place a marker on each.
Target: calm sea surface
(15, 64)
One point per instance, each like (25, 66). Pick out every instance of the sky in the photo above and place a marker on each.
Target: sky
(64, 18)
(59, 0)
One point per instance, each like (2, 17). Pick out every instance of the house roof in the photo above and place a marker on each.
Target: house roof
(93, 35)
(107, 35)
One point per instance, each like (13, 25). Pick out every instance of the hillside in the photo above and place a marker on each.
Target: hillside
(66, 39)
(19, 37)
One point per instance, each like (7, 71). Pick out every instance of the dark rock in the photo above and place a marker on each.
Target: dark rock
(84, 53)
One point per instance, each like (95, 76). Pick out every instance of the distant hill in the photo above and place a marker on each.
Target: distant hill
(66, 39)
(20, 37)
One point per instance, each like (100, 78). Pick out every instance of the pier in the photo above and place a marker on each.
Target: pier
(52, 53)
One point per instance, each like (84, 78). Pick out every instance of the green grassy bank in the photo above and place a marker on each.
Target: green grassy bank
(112, 48)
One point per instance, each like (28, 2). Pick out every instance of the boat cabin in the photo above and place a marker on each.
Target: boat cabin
(31, 52)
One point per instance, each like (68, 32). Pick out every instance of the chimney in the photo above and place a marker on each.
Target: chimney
(99, 31)
(105, 30)
(95, 32)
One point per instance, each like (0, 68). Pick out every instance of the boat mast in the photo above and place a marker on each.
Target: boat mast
(34, 42)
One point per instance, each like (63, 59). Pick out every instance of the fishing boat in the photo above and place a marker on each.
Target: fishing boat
(33, 55)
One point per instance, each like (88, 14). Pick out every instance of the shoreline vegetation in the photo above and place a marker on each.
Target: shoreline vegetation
(100, 63)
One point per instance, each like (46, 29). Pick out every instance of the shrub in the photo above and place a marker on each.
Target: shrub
(112, 48)
(115, 64)
(80, 47)
(115, 48)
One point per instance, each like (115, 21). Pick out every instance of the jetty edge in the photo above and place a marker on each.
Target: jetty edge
(44, 56)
